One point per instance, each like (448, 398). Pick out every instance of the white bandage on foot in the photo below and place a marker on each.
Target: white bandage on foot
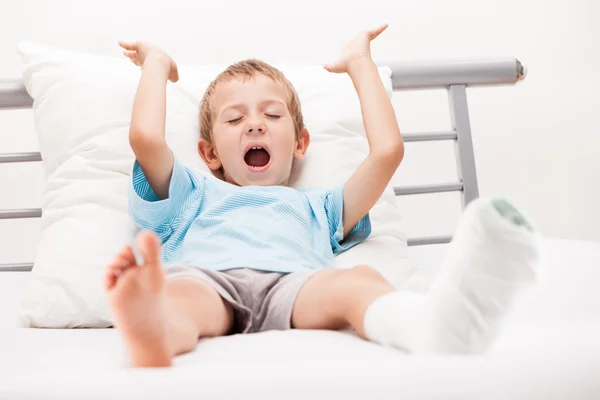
(400, 319)
(494, 259)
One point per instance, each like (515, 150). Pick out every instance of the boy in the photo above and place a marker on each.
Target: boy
(248, 254)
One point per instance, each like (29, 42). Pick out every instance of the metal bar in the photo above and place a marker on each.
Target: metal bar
(25, 267)
(405, 75)
(429, 240)
(19, 157)
(428, 136)
(444, 73)
(23, 213)
(422, 189)
(14, 95)
(465, 155)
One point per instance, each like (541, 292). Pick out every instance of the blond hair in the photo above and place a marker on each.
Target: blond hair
(247, 69)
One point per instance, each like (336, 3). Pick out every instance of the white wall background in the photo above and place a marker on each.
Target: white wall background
(536, 142)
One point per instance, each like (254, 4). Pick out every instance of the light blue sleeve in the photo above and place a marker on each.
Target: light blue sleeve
(145, 208)
(334, 207)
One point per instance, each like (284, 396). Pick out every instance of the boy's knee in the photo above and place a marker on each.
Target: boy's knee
(364, 272)
(191, 287)
(356, 278)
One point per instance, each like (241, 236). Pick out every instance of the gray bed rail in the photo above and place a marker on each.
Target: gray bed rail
(453, 75)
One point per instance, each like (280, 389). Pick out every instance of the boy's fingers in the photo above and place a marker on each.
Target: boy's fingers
(128, 45)
(332, 68)
(132, 55)
(377, 31)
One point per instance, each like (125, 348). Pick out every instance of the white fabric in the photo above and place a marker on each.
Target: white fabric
(550, 349)
(82, 108)
(493, 262)
(400, 319)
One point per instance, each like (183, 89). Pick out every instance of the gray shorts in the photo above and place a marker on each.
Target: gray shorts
(261, 300)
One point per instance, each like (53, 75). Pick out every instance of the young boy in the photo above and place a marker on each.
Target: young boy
(248, 253)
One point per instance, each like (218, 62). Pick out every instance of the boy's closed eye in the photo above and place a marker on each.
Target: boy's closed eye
(236, 120)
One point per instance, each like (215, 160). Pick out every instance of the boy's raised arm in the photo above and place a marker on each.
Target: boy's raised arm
(386, 148)
(147, 128)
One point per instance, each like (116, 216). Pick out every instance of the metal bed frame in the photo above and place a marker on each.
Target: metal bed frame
(454, 76)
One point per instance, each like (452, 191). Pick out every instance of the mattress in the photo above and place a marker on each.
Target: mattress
(550, 348)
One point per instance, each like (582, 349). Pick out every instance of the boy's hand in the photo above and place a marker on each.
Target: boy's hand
(359, 47)
(139, 52)
(386, 149)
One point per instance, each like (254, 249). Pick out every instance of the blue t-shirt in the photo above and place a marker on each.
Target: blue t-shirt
(213, 224)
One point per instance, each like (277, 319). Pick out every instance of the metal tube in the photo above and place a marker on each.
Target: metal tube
(429, 240)
(405, 75)
(428, 136)
(23, 213)
(24, 267)
(422, 189)
(14, 95)
(443, 73)
(19, 157)
(465, 156)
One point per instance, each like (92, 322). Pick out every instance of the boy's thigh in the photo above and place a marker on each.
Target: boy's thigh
(199, 302)
(317, 305)
(332, 296)
(201, 298)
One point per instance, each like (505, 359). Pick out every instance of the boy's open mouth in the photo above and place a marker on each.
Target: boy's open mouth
(257, 157)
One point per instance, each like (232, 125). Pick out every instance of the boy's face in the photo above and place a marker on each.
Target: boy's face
(254, 137)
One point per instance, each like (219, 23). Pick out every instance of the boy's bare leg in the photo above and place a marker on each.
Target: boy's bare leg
(159, 319)
(338, 298)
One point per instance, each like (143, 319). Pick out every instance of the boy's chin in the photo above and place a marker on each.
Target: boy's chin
(250, 178)
(264, 179)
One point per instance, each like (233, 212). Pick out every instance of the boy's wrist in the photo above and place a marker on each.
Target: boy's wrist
(358, 65)
(156, 57)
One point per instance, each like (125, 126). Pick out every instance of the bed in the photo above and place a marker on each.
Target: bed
(550, 347)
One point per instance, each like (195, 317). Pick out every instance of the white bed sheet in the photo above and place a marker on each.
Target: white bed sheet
(549, 349)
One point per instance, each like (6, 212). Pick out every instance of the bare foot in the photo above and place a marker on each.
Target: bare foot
(136, 294)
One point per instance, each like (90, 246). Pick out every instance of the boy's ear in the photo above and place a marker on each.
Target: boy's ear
(208, 153)
(301, 144)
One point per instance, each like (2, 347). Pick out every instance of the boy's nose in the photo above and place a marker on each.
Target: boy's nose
(255, 127)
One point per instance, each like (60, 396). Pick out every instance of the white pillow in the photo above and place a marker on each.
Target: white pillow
(82, 108)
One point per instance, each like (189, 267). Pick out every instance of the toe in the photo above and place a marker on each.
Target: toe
(109, 282)
(122, 261)
(149, 246)
(126, 257)
(112, 274)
